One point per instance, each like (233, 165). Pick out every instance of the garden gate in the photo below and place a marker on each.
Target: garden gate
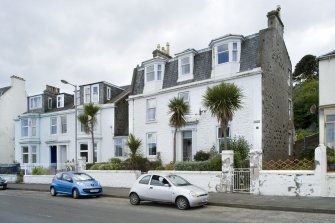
(241, 180)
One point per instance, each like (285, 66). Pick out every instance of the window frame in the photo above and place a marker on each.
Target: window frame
(153, 141)
(63, 124)
(95, 94)
(49, 102)
(87, 94)
(151, 108)
(35, 102)
(24, 127)
(118, 142)
(33, 126)
(330, 123)
(188, 64)
(150, 72)
(25, 154)
(109, 93)
(60, 101)
(53, 126)
(222, 52)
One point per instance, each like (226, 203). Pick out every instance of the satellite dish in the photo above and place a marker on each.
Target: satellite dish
(312, 109)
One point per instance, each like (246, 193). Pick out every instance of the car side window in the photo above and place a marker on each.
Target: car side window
(145, 179)
(158, 181)
(66, 177)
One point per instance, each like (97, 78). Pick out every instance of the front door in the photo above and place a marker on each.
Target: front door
(53, 157)
(187, 145)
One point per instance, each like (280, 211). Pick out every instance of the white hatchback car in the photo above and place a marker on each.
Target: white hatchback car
(167, 188)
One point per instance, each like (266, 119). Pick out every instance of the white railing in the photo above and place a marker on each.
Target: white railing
(241, 180)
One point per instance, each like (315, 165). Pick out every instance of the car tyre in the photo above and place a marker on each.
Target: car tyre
(75, 194)
(182, 203)
(134, 199)
(53, 191)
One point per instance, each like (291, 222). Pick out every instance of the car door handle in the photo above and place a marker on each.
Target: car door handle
(151, 188)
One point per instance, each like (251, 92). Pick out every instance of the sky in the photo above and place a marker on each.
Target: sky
(84, 41)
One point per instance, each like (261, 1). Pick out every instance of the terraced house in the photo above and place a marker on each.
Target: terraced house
(257, 63)
(45, 134)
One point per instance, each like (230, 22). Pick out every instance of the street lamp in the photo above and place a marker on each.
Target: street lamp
(75, 121)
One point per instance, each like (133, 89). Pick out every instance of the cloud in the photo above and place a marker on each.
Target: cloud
(88, 41)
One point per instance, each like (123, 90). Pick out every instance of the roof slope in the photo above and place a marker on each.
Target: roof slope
(3, 90)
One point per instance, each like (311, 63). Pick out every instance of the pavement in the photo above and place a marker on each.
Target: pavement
(236, 200)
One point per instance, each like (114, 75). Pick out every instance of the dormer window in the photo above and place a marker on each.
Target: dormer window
(227, 52)
(95, 93)
(154, 74)
(35, 102)
(185, 65)
(60, 101)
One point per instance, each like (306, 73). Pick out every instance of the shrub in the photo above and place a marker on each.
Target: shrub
(40, 171)
(95, 166)
(241, 149)
(169, 166)
(201, 156)
(214, 164)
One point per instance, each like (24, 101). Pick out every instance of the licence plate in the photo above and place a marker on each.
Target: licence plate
(94, 190)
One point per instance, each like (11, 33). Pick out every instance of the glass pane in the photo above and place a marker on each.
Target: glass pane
(152, 149)
(150, 76)
(25, 158)
(223, 47)
(25, 149)
(185, 69)
(330, 118)
(234, 55)
(150, 69)
(151, 103)
(187, 135)
(33, 149)
(159, 75)
(185, 60)
(151, 114)
(330, 135)
(223, 57)
(33, 158)
(234, 46)
(159, 67)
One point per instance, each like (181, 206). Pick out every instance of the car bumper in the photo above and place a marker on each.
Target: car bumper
(90, 191)
(198, 201)
(3, 186)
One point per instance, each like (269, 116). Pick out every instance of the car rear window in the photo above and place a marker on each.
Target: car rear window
(145, 179)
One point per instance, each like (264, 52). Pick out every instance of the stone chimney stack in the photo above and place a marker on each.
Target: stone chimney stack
(51, 90)
(17, 81)
(274, 20)
(162, 52)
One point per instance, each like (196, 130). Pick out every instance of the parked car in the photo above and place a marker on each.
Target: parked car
(76, 184)
(169, 188)
(3, 183)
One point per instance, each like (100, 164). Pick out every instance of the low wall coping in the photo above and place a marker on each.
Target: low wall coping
(287, 172)
(185, 172)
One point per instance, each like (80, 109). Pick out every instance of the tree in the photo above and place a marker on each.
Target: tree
(178, 108)
(305, 100)
(89, 120)
(223, 100)
(133, 144)
(306, 68)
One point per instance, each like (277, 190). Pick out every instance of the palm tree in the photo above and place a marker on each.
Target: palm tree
(133, 144)
(89, 120)
(223, 100)
(178, 109)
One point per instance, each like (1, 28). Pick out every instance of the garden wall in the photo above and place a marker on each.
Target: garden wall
(115, 178)
(208, 180)
(37, 179)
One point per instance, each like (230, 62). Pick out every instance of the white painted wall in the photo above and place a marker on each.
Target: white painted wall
(11, 178)
(208, 180)
(12, 103)
(115, 178)
(37, 179)
(204, 130)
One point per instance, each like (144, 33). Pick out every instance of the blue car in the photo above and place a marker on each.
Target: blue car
(76, 184)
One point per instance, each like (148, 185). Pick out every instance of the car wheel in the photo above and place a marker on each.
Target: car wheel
(53, 191)
(134, 199)
(182, 203)
(75, 194)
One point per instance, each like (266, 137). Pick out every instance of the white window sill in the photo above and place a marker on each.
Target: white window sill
(151, 122)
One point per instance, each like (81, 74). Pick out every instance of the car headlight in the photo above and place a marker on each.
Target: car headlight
(5, 181)
(193, 194)
(81, 184)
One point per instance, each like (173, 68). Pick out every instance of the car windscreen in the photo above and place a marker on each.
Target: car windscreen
(81, 177)
(177, 180)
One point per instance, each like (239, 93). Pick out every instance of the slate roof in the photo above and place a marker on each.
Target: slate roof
(332, 53)
(3, 90)
(202, 66)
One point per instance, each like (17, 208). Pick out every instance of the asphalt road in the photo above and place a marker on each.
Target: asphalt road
(38, 207)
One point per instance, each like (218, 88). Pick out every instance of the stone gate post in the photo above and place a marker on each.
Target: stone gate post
(227, 170)
(255, 168)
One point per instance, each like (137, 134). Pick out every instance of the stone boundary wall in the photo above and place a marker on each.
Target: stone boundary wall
(208, 180)
(115, 178)
(37, 179)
